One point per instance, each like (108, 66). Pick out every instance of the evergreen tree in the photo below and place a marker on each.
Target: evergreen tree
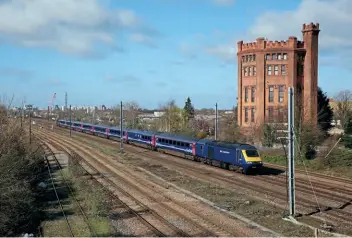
(325, 113)
(347, 138)
(188, 110)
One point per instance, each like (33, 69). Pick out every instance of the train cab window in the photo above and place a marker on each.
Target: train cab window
(252, 153)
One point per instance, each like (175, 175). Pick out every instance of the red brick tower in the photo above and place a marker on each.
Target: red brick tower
(310, 85)
(267, 68)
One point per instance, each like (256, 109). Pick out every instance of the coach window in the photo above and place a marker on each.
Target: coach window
(178, 143)
(201, 147)
(182, 144)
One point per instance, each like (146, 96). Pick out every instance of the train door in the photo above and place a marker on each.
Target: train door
(238, 157)
(193, 148)
(153, 141)
(211, 152)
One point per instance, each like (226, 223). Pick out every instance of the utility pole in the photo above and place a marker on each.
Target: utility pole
(30, 127)
(65, 109)
(70, 123)
(216, 121)
(22, 113)
(48, 118)
(291, 150)
(121, 129)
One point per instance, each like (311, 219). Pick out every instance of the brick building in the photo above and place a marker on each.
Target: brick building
(265, 71)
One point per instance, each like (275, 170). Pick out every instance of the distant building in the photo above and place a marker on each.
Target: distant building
(266, 69)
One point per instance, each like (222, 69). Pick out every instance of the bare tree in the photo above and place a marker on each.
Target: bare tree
(131, 111)
(172, 120)
(343, 105)
(230, 130)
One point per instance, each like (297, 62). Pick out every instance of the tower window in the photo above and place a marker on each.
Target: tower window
(245, 71)
(252, 114)
(274, 56)
(269, 69)
(254, 70)
(246, 114)
(246, 58)
(246, 94)
(267, 56)
(249, 57)
(276, 69)
(250, 71)
(243, 58)
(285, 56)
(281, 93)
(270, 114)
(279, 56)
(253, 57)
(281, 114)
(271, 93)
(283, 69)
(252, 94)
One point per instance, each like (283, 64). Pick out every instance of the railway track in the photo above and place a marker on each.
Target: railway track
(140, 210)
(335, 214)
(194, 218)
(49, 153)
(312, 207)
(269, 165)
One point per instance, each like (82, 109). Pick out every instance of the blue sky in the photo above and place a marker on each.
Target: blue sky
(151, 51)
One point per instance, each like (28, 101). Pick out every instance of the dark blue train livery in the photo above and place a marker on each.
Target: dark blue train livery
(226, 155)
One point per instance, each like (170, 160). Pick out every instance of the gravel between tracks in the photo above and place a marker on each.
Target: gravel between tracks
(195, 212)
(231, 200)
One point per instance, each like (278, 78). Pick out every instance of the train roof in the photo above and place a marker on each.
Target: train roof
(101, 126)
(148, 133)
(176, 137)
(204, 141)
(232, 145)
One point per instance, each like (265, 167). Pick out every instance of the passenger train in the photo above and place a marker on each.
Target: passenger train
(244, 157)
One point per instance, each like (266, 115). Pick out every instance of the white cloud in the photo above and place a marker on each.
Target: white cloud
(143, 39)
(223, 2)
(70, 26)
(226, 53)
(188, 51)
(334, 17)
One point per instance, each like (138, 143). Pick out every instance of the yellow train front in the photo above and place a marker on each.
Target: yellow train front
(229, 155)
